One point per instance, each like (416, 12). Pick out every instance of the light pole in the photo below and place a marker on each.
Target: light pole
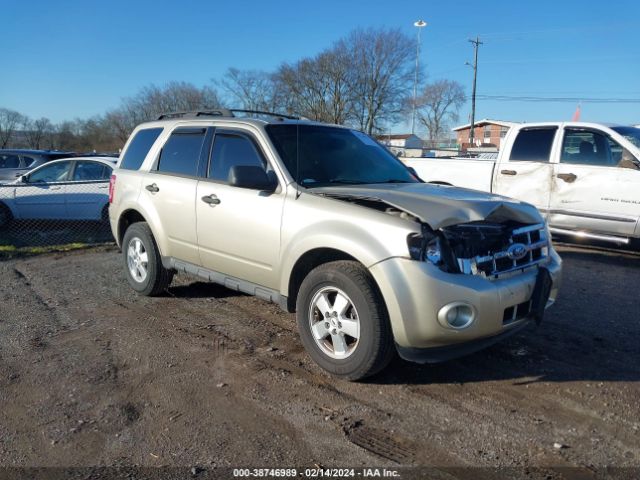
(420, 24)
(476, 43)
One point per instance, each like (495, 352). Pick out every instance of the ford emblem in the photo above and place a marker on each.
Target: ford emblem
(517, 251)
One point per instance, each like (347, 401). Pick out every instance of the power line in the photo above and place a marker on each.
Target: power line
(508, 98)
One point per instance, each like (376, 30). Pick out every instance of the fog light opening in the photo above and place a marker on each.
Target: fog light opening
(457, 315)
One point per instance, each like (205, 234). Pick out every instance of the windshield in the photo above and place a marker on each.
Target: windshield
(630, 133)
(333, 155)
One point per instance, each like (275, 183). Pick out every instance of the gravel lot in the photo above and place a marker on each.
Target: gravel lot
(93, 375)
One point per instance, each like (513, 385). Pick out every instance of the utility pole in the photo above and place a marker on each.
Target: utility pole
(476, 43)
(420, 24)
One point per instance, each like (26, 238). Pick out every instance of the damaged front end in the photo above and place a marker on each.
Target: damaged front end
(486, 248)
(462, 231)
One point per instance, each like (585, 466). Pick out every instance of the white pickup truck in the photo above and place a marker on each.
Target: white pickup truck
(583, 177)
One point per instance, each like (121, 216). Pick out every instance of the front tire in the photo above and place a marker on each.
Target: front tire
(142, 261)
(343, 321)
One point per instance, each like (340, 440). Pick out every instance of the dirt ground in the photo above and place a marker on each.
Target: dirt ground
(205, 378)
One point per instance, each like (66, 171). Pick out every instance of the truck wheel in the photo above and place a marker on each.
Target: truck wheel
(5, 215)
(343, 322)
(142, 261)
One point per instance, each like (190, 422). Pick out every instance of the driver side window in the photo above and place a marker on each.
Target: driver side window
(230, 150)
(583, 147)
(56, 172)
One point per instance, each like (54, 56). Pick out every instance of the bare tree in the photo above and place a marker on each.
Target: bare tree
(9, 121)
(320, 88)
(251, 89)
(382, 64)
(438, 106)
(153, 101)
(37, 131)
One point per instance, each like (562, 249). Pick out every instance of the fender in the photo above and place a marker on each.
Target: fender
(366, 246)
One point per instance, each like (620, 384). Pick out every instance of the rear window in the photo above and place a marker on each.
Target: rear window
(181, 154)
(533, 145)
(139, 147)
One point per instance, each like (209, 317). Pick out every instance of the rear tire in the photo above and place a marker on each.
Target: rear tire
(343, 321)
(142, 261)
(104, 215)
(5, 216)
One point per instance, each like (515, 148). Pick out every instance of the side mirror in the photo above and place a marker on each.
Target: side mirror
(249, 176)
(23, 179)
(629, 161)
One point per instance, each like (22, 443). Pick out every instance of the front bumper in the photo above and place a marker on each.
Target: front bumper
(415, 291)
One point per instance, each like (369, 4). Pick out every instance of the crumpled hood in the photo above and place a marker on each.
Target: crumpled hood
(439, 205)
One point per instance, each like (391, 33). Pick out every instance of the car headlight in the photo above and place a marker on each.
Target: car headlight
(425, 246)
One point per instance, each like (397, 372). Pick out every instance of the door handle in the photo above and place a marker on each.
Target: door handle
(508, 172)
(54, 188)
(153, 188)
(103, 186)
(567, 177)
(211, 200)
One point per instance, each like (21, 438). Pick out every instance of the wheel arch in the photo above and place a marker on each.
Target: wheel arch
(310, 260)
(126, 219)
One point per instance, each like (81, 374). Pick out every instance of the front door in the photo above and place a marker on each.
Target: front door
(591, 191)
(239, 234)
(42, 196)
(527, 174)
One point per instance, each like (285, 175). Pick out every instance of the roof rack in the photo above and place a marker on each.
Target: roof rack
(217, 112)
(224, 112)
(270, 114)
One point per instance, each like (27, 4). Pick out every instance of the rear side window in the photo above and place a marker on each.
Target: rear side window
(139, 147)
(28, 161)
(88, 171)
(181, 153)
(533, 145)
(230, 150)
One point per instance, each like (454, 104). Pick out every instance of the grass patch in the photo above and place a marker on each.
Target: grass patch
(11, 251)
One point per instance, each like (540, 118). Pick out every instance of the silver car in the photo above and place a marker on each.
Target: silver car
(324, 221)
(67, 189)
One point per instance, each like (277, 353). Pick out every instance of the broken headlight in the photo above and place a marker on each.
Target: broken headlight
(425, 246)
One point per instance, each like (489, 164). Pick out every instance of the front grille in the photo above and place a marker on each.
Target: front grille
(526, 246)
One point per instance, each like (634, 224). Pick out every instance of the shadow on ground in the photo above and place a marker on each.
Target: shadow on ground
(590, 334)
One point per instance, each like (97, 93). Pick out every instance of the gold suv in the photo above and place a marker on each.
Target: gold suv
(324, 221)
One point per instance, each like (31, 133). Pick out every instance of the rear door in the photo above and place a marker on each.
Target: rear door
(526, 175)
(171, 187)
(240, 234)
(42, 196)
(591, 190)
(87, 193)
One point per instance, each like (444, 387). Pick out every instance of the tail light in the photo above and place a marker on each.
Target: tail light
(112, 187)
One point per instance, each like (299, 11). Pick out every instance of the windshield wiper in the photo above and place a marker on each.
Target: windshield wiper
(346, 182)
(396, 180)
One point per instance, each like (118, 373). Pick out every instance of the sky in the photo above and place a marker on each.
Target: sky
(72, 59)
